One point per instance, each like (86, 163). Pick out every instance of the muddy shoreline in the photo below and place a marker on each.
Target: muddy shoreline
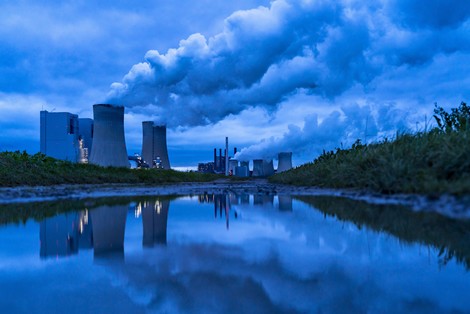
(445, 204)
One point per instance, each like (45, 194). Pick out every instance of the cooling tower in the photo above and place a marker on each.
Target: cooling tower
(268, 168)
(109, 145)
(154, 146)
(285, 162)
(241, 171)
(232, 164)
(258, 168)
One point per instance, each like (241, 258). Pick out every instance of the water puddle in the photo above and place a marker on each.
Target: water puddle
(250, 253)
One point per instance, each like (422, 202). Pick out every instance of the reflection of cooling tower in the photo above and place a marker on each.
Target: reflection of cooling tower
(258, 168)
(285, 203)
(268, 168)
(285, 162)
(154, 220)
(257, 199)
(268, 200)
(109, 145)
(245, 199)
(154, 144)
(109, 223)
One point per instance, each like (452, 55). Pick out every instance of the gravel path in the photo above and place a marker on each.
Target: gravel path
(444, 204)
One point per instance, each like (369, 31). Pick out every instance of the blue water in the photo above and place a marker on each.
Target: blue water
(233, 254)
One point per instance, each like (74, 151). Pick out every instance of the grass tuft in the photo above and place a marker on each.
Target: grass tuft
(19, 168)
(433, 162)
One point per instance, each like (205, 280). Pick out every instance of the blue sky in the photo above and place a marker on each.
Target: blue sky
(272, 75)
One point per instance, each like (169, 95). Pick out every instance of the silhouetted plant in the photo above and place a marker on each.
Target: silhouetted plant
(457, 120)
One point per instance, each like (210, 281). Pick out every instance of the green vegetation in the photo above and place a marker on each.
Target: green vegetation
(18, 168)
(433, 162)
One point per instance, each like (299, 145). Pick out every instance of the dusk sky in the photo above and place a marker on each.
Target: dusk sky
(273, 76)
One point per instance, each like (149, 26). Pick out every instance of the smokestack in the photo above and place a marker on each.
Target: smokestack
(154, 144)
(109, 145)
(285, 162)
(234, 151)
(215, 158)
(226, 156)
(258, 168)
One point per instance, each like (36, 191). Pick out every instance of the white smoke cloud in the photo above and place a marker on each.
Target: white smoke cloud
(340, 127)
(267, 55)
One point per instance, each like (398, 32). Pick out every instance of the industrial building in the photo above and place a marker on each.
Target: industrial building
(109, 144)
(64, 136)
(154, 148)
(59, 135)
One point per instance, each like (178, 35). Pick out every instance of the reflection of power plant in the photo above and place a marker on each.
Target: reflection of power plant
(64, 234)
(285, 203)
(154, 221)
(103, 228)
(222, 205)
(109, 145)
(109, 223)
(154, 148)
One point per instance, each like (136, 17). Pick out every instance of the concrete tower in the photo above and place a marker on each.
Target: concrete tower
(268, 168)
(154, 145)
(109, 144)
(285, 162)
(258, 168)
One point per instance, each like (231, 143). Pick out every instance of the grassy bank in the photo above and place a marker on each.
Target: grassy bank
(431, 162)
(18, 168)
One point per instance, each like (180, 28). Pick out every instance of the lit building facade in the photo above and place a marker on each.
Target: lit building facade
(64, 136)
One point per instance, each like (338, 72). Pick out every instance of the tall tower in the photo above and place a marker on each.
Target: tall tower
(109, 144)
(285, 162)
(154, 144)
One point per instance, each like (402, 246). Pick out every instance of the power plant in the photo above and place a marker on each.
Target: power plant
(59, 135)
(285, 162)
(154, 148)
(102, 142)
(109, 145)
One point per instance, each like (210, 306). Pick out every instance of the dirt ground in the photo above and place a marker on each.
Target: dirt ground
(444, 204)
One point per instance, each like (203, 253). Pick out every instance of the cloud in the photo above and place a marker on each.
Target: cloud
(267, 55)
(339, 128)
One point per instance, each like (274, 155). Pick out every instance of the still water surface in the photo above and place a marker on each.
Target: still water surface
(231, 254)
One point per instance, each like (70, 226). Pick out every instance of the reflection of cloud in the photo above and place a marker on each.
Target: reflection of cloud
(295, 262)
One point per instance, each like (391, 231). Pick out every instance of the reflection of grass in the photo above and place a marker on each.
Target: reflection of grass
(20, 213)
(450, 236)
(431, 162)
(22, 169)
